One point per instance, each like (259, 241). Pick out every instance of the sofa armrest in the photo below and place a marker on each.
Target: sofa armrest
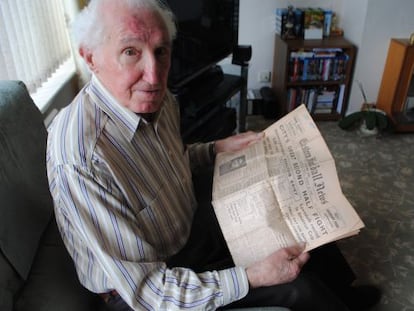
(53, 284)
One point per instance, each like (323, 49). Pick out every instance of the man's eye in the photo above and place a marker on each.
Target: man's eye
(162, 52)
(130, 56)
(130, 52)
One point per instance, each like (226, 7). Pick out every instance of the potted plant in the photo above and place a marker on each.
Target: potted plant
(370, 120)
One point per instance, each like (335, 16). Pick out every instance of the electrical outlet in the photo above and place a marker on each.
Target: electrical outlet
(264, 76)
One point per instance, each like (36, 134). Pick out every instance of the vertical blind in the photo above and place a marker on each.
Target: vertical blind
(34, 40)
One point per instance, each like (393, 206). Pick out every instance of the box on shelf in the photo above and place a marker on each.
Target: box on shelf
(313, 23)
(289, 23)
(281, 14)
(307, 23)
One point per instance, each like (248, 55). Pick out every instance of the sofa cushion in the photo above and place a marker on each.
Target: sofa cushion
(10, 284)
(26, 205)
(53, 284)
(21, 226)
(6, 300)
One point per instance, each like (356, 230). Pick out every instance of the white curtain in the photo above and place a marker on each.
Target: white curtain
(34, 40)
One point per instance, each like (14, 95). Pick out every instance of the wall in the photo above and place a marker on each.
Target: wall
(62, 98)
(369, 24)
(378, 22)
(256, 28)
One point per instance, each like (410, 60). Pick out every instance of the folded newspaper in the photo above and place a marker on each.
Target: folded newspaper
(281, 191)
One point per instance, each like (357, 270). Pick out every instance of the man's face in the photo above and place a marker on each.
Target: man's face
(134, 59)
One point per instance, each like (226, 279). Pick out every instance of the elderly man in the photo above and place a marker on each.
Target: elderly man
(121, 181)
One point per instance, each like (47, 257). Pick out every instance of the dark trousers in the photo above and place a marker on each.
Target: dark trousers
(318, 287)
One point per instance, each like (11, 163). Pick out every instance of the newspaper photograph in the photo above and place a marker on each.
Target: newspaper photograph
(281, 191)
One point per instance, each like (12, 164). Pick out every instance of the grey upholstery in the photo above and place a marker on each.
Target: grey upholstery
(36, 272)
(23, 185)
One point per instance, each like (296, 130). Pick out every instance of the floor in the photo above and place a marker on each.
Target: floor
(377, 176)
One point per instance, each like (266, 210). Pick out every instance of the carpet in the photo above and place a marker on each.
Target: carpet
(377, 176)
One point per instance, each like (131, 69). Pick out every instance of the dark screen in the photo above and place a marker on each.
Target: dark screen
(207, 31)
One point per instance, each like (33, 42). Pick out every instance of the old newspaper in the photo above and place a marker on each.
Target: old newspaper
(281, 191)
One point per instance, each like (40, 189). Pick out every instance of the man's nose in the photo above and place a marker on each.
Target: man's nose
(151, 70)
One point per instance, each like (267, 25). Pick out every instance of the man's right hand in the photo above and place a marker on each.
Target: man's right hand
(280, 267)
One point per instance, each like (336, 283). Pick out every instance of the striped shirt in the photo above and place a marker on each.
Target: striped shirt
(124, 201)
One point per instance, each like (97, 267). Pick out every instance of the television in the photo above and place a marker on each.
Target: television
(207, 32)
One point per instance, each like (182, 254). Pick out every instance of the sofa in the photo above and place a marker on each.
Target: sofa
(36, 272)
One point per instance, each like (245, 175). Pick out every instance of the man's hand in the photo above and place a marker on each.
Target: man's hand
(280, 267)
(238, 142)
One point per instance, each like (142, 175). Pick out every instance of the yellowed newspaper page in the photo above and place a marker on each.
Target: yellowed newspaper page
(280, 191)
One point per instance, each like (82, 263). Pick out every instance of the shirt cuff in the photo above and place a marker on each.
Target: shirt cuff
(234, 284)
(200, 154)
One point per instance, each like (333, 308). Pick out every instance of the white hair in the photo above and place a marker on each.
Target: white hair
(88, 27)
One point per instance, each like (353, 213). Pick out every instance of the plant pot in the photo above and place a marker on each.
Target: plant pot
(369, 122)
(365, 131)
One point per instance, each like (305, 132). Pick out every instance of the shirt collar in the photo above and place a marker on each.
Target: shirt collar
(127, 120)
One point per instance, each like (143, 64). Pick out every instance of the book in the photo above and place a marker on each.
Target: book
(326, 100)
(318, 64)
(327, 22)
(280, 20)
(298, 23)
(340, 100)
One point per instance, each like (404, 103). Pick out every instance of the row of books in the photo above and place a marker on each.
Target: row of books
(318, 100)
(307, 23)
(318, 65)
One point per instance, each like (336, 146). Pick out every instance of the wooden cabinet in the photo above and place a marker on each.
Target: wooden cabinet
(396, 94)
(317, 73)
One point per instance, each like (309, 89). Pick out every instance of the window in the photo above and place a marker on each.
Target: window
(34, 41)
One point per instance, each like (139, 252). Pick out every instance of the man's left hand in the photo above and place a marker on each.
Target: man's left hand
(238, 142)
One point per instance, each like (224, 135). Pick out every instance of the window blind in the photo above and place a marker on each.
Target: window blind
(34, 40)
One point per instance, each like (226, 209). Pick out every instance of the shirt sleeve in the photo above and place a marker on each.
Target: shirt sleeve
(109, 251)
(200, 155)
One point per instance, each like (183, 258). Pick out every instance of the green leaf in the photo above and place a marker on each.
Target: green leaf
(382, 121)
(370, 120)
(350, 120)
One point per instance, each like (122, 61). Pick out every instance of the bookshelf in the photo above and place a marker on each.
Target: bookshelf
(396, 93)
(317, 73)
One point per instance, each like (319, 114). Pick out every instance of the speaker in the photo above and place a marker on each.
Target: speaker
(242, 54)
(271, 109)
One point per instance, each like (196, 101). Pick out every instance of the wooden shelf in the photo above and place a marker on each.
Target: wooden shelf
(397, 84)
(282, 84)
(314, 82)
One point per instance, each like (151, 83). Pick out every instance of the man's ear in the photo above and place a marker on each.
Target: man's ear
(88, 57)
